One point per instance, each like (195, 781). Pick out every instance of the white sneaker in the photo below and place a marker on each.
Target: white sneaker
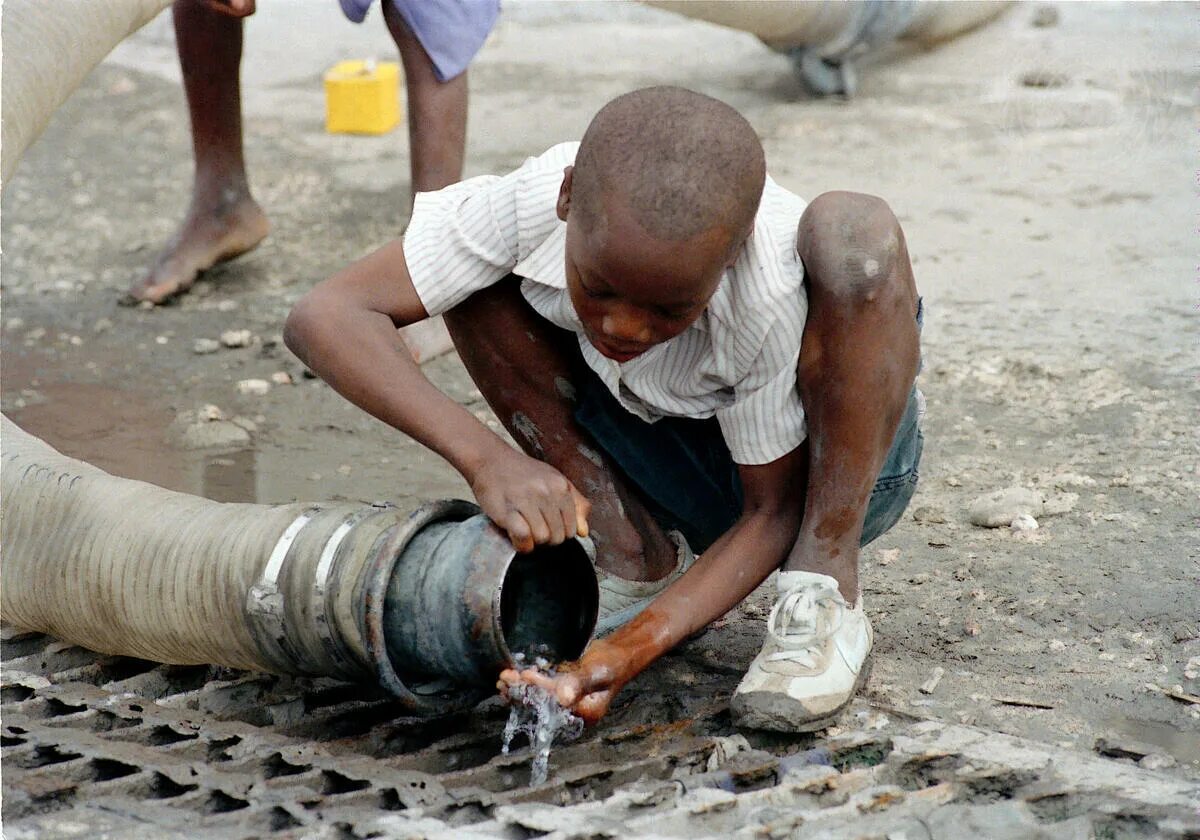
(621, 600)
(815, 657)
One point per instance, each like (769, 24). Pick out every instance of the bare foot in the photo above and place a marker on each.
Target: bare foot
(206, 238)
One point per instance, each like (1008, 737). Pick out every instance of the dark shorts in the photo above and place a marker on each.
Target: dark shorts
(689, 482)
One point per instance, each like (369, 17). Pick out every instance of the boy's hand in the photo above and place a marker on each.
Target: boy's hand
(533, 502)
(585, 688)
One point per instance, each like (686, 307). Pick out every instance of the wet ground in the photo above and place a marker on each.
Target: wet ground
(1044, 177)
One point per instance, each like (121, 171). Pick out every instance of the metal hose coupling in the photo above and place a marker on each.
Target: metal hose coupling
(434, 606)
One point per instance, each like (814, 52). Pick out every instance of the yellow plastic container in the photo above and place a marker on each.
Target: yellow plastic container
(362, 97)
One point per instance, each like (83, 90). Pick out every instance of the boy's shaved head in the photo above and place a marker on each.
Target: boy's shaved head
(682, 163)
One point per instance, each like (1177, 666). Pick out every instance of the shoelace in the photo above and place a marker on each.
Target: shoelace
(799, 622)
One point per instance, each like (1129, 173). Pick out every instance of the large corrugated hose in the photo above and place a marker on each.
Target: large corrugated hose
(433, 597)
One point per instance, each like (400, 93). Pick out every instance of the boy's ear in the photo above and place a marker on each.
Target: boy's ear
(564, 193)
(737, 249)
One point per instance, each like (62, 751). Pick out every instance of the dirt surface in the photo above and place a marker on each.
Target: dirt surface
(1045, 180)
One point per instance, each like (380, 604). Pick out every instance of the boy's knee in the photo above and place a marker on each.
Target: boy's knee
(851, 245)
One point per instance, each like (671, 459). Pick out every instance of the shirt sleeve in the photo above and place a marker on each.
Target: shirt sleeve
(469, 235)
(461, 239)
(766, 420)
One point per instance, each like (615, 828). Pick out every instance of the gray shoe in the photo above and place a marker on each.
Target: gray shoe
(621, 600)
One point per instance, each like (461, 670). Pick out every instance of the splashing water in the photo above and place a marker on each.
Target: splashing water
(537, 715)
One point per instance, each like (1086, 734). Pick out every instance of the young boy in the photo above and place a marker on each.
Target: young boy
(689, 357)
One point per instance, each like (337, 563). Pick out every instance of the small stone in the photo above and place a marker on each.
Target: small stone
(226, 305)
(888, 555)
(314, 476)
(971, 628)
(254, 387)
(953, 482)
(161, 339)
(1000, 508)
(281, 377)
(1045, 16)
(102, 325)
(210, 412)
(1024, 522)
(931, 684)
(1157, 761)
(345, 469)
(1192, 669)
(237, 338)
(204, 346)
(75, 341)
(1057, 645)
(207, 434)
(1059, 504)
(1044, 79)
(929, 515)
(14, 324)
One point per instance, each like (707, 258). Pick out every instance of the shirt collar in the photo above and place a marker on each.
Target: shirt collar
(547, 263)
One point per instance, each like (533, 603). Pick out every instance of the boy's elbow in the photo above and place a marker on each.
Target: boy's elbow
(301, 323)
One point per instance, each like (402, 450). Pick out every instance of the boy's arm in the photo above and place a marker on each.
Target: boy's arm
(345, 331)
(727, 572)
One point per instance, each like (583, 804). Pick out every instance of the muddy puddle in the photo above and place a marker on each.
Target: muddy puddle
(1184, 747)
(123, 432)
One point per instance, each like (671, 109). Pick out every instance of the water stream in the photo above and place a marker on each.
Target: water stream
(537, 715)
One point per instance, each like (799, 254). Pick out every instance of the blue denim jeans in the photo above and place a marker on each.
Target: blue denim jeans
(688, 480)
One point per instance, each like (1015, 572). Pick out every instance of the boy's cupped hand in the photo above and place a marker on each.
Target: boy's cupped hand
(531, 501)
(585, 688)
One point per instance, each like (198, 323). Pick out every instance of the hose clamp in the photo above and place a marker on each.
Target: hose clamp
(330, 641)
(264, 601)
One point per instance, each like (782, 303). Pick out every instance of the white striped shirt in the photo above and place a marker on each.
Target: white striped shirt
(737, 361)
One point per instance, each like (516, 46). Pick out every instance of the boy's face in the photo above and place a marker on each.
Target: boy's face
(632, 291)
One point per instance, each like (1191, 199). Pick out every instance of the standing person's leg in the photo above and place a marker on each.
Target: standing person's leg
(437, 111)
(858, 362)
(437, 139)
(223, 219)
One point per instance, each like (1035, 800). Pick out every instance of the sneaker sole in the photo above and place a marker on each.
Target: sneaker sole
(751, 718)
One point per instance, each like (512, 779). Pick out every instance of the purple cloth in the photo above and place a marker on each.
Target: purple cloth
(451, 31)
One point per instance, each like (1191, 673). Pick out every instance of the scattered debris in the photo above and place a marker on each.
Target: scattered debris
(1060, 504)
(930, 685)
(888, 555)
(1000, 508)
(1112, 747)
(1024, 522)
(724, 749)
(237, 338)
(1045, 16)
(254, 387)
(207, 428)
(929, 515)
(1044, 79)
(1023, 703)
(1175, 692)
